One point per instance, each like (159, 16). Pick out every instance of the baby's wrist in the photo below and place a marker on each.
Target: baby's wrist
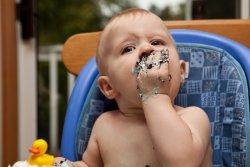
(156, 98)
(145, 95)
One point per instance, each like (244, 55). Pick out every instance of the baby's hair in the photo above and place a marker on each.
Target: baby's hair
(130, 12)
(113, 21)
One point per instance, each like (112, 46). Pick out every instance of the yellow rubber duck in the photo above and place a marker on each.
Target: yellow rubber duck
(38, 156)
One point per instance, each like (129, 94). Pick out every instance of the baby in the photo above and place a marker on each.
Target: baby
(140, 68)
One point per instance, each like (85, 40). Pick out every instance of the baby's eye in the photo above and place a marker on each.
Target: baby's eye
(157, 42)
(128, 49)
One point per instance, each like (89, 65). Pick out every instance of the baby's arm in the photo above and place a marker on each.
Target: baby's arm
(91, 157)
(178, 138)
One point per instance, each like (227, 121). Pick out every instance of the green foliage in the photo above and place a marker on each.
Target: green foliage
(167, 12)
(43, 100)
(58, 19)
(62, 97)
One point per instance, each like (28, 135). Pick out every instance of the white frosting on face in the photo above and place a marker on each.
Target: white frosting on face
(154, 59)
(146, 63)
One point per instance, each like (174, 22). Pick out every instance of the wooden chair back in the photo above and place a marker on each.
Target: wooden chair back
(79, 48)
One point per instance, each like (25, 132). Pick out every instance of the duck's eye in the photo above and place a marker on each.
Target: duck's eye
(128, 49)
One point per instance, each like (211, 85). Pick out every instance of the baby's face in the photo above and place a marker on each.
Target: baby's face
(129, 41)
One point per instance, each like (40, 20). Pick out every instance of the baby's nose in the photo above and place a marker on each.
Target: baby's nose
(146, 50)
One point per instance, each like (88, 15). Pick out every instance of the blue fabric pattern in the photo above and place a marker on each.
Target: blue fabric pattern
(95, 104)
(216, 83)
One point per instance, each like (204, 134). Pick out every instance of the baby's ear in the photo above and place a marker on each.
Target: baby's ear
(106, 88)
(183, 71)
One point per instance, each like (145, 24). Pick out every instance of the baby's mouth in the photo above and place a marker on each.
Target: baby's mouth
(155, 59)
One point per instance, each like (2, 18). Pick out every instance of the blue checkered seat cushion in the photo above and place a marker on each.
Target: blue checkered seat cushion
(216, 83)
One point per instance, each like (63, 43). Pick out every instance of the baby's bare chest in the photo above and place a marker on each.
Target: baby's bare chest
(128, 146)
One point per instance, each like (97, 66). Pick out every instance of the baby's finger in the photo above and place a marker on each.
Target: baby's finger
(59, 160)
(163, 72)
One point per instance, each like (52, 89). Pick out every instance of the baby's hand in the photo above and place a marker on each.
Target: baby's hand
(152, 74)
(62, 162)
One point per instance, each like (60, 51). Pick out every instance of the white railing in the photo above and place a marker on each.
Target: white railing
(52, 54)
(245, 11)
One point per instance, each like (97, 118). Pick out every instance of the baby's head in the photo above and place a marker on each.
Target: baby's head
(104, 47)
(127, 37)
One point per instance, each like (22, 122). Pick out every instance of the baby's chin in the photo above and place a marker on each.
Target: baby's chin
(25, 164)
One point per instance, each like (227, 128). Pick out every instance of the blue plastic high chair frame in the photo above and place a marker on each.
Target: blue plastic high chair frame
(89, 73)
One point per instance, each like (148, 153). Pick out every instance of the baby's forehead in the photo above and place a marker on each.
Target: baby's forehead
(139, 22)
(112, 30)
(128, 19)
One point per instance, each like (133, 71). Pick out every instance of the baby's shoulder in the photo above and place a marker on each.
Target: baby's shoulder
(109, 117)
(193, 113)
(106, 122)
(194, 116)
(190, 110)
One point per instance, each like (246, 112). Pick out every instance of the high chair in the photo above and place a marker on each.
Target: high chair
(218, 80)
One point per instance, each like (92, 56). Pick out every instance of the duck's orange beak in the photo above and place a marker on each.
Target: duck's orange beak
(34, 150)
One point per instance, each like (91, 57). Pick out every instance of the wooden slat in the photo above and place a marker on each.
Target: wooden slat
(238, 30)
(79, 48)
(9, 83)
